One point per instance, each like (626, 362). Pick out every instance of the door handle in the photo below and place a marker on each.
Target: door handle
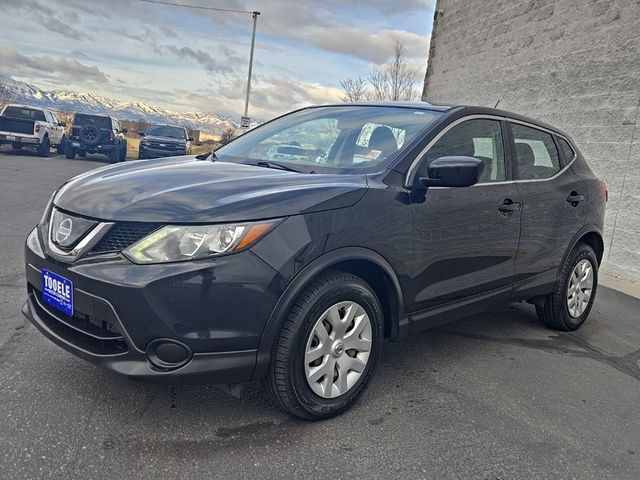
(574, 198)
(509, 206)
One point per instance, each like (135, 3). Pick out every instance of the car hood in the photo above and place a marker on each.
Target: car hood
(187, 190)
(155, 138)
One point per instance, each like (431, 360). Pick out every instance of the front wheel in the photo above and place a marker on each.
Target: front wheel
(568, 307)
(328, 347)
(60, 148)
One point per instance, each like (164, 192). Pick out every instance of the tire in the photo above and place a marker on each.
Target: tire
(44, 148)
(90, 135)
(61, 147)
(555, 312)
(82, 154)
(123, 153)
(114, 155)
(287, 382)
(16, 145)
(70, 152)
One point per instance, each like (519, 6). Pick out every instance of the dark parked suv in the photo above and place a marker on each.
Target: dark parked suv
(164, 141)
(230, 267)
(96, 134)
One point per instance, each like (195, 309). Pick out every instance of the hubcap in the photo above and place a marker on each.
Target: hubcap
(580, 288)
(338, 349)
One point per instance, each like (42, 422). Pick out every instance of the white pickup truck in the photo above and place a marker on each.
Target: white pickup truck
(22, 126)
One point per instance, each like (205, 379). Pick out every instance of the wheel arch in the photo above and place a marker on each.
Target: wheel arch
(364, 263)
(592, 236)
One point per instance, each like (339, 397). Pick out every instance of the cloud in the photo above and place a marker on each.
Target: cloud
(200, 56)
(56, 69)
(64, 29)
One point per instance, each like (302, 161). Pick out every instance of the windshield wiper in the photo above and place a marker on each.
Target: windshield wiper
(269, 164)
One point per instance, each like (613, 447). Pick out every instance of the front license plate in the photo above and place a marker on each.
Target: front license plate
(11, 137)
(75, 144)
(57, 291)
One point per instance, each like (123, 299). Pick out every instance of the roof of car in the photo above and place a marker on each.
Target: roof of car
(391, 103)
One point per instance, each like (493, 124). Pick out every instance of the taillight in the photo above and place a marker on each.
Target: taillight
(603, 188)
(37, 128)
(110, 135)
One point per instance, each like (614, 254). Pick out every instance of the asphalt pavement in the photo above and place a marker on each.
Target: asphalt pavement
(493, 396)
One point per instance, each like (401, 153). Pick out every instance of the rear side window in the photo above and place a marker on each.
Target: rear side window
(567, 151)
(536, 153)
(480, 138)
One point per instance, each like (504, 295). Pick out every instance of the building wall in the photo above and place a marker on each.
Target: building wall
(572, 63)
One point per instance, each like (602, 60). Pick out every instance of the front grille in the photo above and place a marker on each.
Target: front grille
(123, 234)
(93, 330)
(167, 146)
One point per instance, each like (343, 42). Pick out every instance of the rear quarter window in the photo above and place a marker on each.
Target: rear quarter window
(567, 152)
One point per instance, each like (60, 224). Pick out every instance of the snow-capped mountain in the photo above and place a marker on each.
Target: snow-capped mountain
(68, 101)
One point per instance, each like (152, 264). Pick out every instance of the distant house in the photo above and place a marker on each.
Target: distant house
(195, 134)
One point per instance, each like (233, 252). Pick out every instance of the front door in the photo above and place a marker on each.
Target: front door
(466, 239)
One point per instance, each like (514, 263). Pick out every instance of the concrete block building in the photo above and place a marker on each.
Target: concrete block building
(572, 63)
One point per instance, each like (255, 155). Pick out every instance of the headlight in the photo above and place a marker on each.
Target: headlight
(175, 243)
(33, 242)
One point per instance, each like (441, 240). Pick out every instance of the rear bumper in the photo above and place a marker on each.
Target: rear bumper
(100, 148)
(19, 138)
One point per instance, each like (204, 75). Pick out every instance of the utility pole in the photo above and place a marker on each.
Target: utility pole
(245, 120)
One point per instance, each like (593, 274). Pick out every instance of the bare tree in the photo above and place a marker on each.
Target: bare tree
(395, 80)
(227, 135)
(355, 89)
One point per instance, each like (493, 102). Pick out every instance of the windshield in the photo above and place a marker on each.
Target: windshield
(166, 131)
(332, 139)
(82, 119)
(24, 113)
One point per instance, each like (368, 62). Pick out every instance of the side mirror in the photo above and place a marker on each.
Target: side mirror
(62, 124)
(124, 130)
(453, 172)
(190, 139)
(141, 134)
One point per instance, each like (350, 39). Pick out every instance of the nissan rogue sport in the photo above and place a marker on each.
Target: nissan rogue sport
(232, 266)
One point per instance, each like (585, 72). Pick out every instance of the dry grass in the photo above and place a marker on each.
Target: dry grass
(133, 143)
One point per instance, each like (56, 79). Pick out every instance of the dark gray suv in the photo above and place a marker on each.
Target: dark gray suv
(232, 266)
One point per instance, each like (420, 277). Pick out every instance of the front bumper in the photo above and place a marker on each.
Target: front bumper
(158, 153)
(216, 308)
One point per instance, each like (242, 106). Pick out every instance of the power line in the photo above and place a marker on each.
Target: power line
(198, 7)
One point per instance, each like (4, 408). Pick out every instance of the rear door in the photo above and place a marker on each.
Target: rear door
(553, 206)
(465, 239)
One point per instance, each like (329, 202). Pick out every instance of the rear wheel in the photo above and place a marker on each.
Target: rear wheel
(569, 305)
(44, 148)
(327, 349)
(123, 153)
(114, 155)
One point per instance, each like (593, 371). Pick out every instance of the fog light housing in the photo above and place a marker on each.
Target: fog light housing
(167, 354)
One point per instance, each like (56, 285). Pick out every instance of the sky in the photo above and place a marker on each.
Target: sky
(196, 60)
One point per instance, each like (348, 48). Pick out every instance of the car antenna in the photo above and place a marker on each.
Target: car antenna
(496, 105)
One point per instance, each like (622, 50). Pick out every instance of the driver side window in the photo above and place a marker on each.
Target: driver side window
(479, 138)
